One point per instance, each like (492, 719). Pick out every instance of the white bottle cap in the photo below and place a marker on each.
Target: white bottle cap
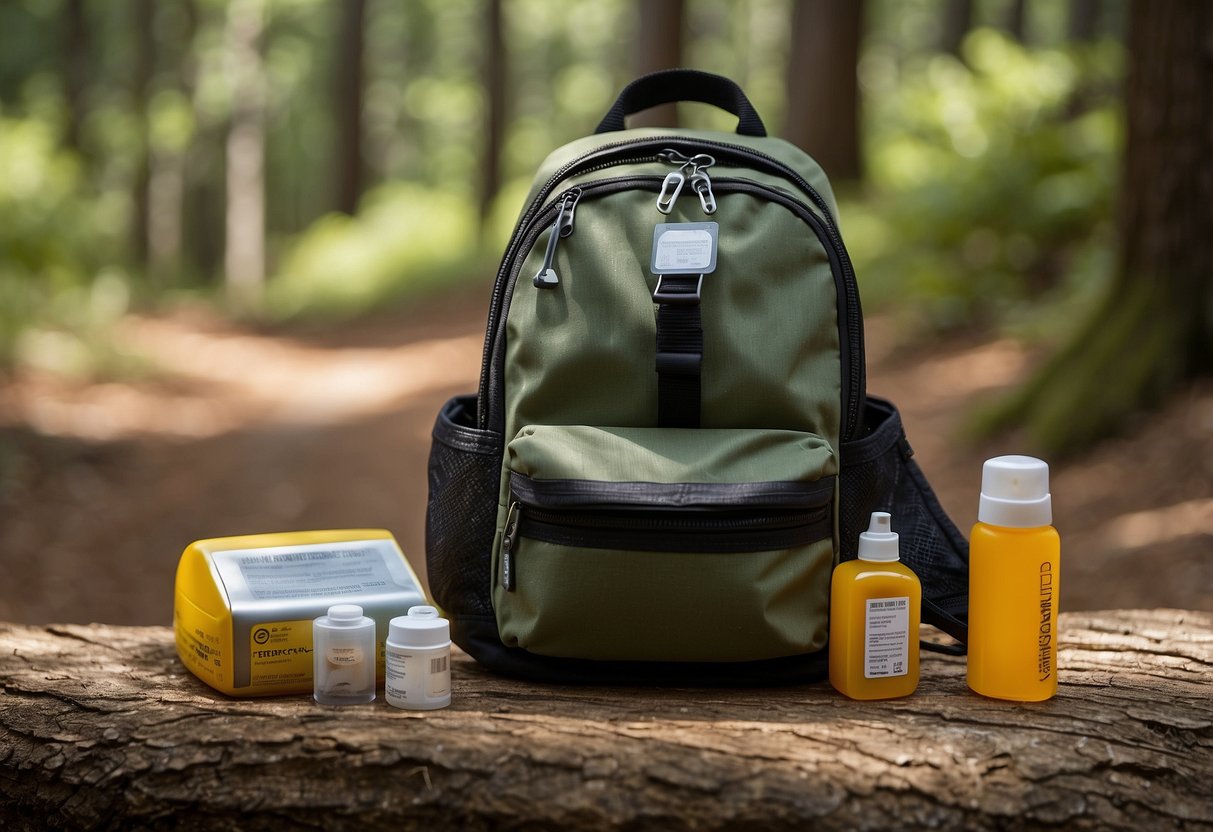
(420, 628)
(1015, 493)
(344, 616)
(879, 542)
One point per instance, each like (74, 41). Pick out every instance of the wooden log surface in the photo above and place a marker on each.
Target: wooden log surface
(102, 728)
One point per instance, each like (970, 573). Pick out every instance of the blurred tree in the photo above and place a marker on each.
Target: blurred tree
(1015, 23)
(1154, 328)
(957, 21)
(244, 243)
(347, 112)
(142, 24)
(494, 71)
(172, 127)
(823, 85)
(659, 27)
(1084, 19)
(75, 75)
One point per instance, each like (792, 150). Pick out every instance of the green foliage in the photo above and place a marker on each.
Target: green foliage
(985, 188)
(57, 293)
(406, 239)
(991, 181)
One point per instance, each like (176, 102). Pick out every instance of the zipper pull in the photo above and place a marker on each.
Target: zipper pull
(693, 168)
(703, 186)
(508, 538)
(674, 180)
(546, 277)
(670, 189)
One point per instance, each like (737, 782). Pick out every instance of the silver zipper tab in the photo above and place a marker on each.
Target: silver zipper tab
(702, 185)
(670, 189)
(546, 277)
(508, 539)
(692, 168)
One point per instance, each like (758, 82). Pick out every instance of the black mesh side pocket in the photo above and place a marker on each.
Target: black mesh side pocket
(460, 517)
(879, 474)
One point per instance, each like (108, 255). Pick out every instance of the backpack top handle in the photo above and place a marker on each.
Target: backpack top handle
(669, 85)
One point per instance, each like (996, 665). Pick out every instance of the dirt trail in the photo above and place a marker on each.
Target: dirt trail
(103, 485)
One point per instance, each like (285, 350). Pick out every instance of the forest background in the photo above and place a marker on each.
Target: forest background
(205, 205)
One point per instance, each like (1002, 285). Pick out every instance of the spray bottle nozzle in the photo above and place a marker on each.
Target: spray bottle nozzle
(879, 542)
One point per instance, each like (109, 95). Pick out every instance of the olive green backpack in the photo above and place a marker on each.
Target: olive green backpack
(672, 446)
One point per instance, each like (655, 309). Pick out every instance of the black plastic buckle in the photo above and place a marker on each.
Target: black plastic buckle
(677, 298)
(679, 363)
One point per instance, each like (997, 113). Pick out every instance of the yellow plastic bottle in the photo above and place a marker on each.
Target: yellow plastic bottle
(1014, 571)
(875, 603)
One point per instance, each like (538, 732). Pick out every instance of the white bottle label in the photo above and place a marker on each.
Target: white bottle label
(886, 642)
(440, 676)
(417, 680)
(345, 656)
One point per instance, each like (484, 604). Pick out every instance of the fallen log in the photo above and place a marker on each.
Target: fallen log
(102, 728)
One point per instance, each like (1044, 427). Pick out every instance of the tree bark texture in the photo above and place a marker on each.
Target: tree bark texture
(102, 728)
(347, 109)
(823, 84)
(658, 40)
(1154, 328)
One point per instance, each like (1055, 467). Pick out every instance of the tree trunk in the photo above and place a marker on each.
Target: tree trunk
(823, 86)
(166, 183)
(956, 23)
(1154, 329)
(244, 245)
(494, 78)
(347, 110)
(102, 728)
(143, 24)
(658, 46)
(1016, 20)
(75, 69)
(1084, 19)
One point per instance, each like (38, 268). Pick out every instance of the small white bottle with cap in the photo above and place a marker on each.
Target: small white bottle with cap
(343, 656)
(418, 660)
(1014, 572)
(875, 604)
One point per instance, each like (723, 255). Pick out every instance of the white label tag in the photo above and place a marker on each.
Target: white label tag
(886, 642)
(317, 570)
(684, 248)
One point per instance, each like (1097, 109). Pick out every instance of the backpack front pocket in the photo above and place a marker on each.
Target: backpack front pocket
(665, 544)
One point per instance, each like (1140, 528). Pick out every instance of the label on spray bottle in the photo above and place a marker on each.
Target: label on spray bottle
(886, 648)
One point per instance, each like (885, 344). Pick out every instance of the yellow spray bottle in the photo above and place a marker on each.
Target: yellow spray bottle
(1014, 560)
(875, 603)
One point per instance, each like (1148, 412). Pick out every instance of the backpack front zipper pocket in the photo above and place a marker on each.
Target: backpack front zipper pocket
(717, 546)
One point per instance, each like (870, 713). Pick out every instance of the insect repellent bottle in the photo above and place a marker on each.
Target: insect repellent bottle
(874, 613)
(1014, 560)
(343, 655)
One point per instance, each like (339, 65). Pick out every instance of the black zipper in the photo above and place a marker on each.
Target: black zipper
(628, 152)
(606, 187)
(667, 530)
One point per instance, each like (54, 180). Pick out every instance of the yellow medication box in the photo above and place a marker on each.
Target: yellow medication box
(243, 606)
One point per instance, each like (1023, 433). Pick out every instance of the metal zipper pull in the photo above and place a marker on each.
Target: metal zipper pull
(508, 538)
(546, 277)
(693, 168)
(672, 186)
(703, 186)
(670, 189)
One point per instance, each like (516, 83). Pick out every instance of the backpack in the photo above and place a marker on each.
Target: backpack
(671, 445)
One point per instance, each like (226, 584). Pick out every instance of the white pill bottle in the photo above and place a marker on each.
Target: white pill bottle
(418, 660)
